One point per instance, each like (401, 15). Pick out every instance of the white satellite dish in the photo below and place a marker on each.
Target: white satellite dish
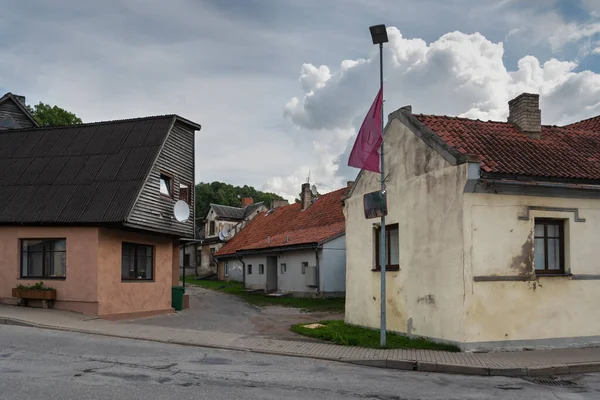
(223, 233)
(313, 190)
(181, 211)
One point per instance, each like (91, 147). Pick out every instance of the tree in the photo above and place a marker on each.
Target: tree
(227, 195)
(47, 115)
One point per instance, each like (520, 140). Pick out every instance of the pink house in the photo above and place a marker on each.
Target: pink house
(88, 210)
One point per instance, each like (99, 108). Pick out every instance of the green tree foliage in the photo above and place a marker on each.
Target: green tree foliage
(47, 115)
(226, 194)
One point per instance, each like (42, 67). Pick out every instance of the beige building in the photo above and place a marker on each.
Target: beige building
(492, 229)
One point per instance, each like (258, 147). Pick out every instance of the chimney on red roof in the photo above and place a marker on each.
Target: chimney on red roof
(247, 201)
(305, 196)
(349, 183)
(525, 114)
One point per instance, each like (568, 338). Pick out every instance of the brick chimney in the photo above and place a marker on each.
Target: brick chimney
(525, 114)
(247, 201)
(305, 196)
(279, 203)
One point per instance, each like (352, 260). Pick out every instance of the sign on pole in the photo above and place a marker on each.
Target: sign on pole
(375, 204)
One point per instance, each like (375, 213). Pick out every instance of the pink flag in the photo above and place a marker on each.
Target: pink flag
(365, 153)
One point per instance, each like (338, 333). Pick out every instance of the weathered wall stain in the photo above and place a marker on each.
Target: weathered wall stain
(429, 300)
(522, 263)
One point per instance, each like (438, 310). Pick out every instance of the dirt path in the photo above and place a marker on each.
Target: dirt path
(211, 310)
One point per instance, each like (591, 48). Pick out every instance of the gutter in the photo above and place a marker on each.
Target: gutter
(241, 259)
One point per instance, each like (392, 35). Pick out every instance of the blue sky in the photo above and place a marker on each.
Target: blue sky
(280, 86)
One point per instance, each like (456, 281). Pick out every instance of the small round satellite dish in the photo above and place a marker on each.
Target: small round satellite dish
(221, 237)
(313, 190)
(225, 232)
(181, 211)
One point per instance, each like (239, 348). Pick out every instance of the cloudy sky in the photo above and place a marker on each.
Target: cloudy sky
(280, 86)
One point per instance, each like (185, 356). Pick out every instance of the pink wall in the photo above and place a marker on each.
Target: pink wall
(79, 290)
(116, 297)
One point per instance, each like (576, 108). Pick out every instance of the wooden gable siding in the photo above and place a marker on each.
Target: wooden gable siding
(8, 108)
(152, 210)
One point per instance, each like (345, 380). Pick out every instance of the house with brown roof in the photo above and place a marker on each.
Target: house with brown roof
(220, 225)
(88, 210)
(297, 249)
(492, 230)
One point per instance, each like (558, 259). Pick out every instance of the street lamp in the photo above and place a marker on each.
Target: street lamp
(379, 36)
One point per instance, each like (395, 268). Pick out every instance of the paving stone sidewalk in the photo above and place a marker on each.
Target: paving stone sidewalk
(525, 363)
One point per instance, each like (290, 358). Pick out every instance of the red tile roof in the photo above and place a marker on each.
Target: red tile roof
(323, 220)
(560, 152)
(590, 124)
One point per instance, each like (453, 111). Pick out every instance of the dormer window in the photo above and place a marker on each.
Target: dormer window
(166, 185)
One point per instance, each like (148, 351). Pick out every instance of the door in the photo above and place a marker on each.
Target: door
(271, 274)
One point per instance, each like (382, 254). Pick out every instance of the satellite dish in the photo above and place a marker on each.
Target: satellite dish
(313, 190)
(181, 211)
(223, 233)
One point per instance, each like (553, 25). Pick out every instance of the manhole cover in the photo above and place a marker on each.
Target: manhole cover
(554, 382)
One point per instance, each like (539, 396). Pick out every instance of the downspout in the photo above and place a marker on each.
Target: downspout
(318, 271)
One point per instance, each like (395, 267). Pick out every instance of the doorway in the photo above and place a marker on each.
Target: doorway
(271, 274)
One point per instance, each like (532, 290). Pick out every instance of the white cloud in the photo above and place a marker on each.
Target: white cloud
(457, 74)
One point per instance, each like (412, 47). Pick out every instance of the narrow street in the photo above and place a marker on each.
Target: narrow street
(43, 364)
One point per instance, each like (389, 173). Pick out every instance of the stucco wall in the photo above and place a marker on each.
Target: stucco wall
(332, 266)
(235, 270)
(119, 297)
(513, 314)
(78, 291)
(424, 194)
(293, 280)
(256, 280)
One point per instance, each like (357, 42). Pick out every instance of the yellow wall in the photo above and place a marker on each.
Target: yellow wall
(498, 243)
(425, 198)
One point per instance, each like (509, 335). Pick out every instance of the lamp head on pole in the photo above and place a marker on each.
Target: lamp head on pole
(378, 34)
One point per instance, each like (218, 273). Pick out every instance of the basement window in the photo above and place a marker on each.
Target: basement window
(166, 185)
(549, 246)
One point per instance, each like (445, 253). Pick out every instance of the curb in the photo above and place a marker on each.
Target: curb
(403, 365)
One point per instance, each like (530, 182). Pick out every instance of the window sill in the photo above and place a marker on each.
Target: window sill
(45, 278)
(137, 280)
(565, 275)
(387, 269)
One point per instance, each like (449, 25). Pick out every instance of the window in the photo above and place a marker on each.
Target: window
(184, 193)
(211, 230)
(261, 269)
(212, 255)
(226, 268)
(549, 257)
(43, 258)
(166, 185)
(392, 248)
(137, 262)
(249, 269)
(283, 268)
(186, 260)
(304, 266)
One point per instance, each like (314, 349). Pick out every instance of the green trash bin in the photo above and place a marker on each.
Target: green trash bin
(177, 297)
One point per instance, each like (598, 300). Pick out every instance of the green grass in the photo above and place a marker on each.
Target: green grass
(349, 335)
(258, 299)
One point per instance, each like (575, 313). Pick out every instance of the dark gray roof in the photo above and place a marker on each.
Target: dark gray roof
(235, 213)
(78, 174)
(16, 109)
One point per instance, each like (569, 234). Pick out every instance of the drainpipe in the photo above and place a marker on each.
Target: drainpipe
(318, 271)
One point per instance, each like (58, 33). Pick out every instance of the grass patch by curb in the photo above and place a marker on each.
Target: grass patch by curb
(258, 299)
(349, 335)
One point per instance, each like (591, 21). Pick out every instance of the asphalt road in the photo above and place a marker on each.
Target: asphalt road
(49, 365)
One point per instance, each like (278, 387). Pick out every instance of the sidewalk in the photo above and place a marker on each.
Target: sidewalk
(526, 363)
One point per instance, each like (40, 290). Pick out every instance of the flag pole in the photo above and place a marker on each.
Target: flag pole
(382, 244)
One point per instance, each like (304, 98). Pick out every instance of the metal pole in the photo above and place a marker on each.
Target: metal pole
(382, 244)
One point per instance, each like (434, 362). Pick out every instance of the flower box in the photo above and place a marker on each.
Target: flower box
(34, 294)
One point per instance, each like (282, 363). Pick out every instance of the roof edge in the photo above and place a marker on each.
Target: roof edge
(23, 108)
